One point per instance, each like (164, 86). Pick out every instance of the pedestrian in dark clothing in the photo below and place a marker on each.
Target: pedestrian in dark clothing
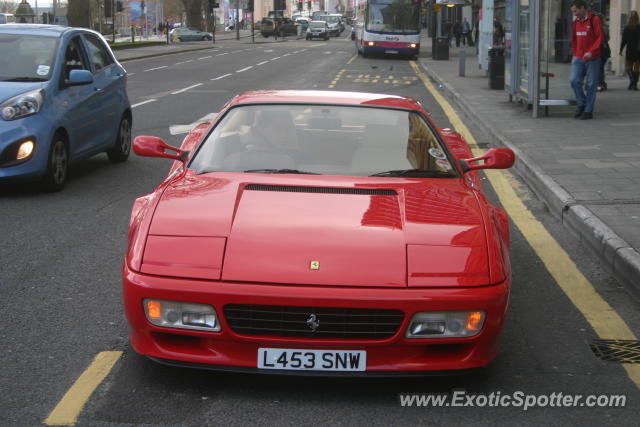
(586, 47)
(447, 28)
(457, 32)
(606, 54)
(466, 33)
(631, 40)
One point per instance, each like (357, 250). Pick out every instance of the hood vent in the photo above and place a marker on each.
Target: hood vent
(321, 190)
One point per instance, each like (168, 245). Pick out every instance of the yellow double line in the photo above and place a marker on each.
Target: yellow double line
(600, 315)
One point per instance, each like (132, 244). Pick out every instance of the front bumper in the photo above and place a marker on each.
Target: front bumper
(393, 48)
(228, 350)
(32, 127)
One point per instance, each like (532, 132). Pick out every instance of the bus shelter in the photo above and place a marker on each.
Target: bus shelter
(537, 42)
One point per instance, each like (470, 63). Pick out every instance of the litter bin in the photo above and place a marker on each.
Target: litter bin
(441, 48)
(496, 68)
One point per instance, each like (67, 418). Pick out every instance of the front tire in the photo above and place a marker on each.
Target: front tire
(57, 166)
(120, 152)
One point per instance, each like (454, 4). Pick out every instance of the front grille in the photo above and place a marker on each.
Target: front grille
(322, 190)
(286, 321)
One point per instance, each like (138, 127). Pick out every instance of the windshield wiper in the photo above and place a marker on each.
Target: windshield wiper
(280, 171)
(415, 172)
(25, 79)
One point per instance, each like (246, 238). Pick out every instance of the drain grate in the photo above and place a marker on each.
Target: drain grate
(621, 351)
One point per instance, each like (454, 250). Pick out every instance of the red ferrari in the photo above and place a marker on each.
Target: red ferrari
(319, 233)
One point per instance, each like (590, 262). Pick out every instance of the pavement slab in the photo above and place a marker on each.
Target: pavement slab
(585, 171)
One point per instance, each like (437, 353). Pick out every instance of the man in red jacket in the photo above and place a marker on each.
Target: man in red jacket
(586, 44)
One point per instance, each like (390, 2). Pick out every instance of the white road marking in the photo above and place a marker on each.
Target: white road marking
(220, 54)
(262, 63)
(244, 69)
(222, 77)
(184, 62)
(327, 52)
(131, 74)
(273, 59)
(143, 102)
(180, 129)
(302, 50)
(186, 89)
(156, 68)
(204, 57)
(236, 51)
(286, 54)
(268, 51)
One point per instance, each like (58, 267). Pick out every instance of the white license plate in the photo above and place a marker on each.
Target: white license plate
(390, 51)
(312, 360)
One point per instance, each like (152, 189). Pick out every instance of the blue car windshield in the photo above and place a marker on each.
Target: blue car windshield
(25, 58)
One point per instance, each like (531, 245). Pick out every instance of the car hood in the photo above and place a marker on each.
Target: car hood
(10, 89)
(332, 230)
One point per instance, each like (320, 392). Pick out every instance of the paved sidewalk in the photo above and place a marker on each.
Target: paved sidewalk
(587, 172)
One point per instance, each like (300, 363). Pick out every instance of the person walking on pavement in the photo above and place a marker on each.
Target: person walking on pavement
(466, 33)
(606, 54)
(631, 40)
(457, 32)
(586, 47)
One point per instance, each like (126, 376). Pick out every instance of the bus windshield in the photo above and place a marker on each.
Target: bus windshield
(394, 16)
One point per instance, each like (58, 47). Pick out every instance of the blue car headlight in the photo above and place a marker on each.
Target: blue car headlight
(23, 105)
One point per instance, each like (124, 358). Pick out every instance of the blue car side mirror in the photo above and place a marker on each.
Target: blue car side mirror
(79, 77)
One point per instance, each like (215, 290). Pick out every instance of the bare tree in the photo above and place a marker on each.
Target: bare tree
(173, 9)
(79, 13)
(8, 6)
(194, 13)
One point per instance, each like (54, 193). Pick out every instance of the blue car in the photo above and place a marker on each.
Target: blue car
(62, 98)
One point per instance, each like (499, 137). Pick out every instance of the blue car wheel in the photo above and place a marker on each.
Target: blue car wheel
(122, 148)
(57, 167)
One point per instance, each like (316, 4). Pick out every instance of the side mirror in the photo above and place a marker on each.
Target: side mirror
(152, 146)
(79, 77)
(496, 158)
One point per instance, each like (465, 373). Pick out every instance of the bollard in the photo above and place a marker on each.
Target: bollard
(133, 34)
(461, 64)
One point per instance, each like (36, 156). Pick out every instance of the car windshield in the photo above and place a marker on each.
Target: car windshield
(26, 57)
(394, 16)
(332, 19)
(317, 24)
(323, 139)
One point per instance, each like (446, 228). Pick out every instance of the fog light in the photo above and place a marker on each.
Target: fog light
(445, 324)
(413, 45)
(371, 43)
(25, 150)
(181, 315)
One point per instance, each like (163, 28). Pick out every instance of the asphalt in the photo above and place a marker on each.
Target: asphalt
(226, 38)
(586, 172)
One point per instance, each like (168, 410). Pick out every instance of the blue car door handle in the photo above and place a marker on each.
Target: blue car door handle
(97, 89)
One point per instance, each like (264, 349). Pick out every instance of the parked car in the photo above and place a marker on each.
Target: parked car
(189, 34)
(334, 23)
(318, 29)
(319, 232)
(62, 98)
(278, 26)
(303, 23)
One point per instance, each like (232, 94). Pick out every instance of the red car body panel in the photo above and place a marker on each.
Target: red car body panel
(428, 245)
